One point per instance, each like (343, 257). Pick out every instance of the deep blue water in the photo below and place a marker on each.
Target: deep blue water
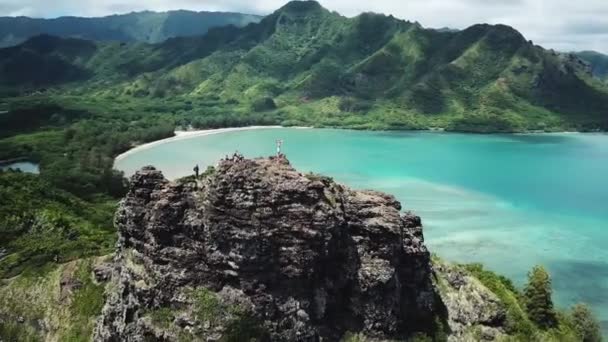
(508, 201)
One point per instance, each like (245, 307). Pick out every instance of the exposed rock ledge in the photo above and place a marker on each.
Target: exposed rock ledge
(257, 249)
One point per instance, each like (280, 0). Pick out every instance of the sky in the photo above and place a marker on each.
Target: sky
(564, 25)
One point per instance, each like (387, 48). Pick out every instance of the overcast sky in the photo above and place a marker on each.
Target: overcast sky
(559, 24)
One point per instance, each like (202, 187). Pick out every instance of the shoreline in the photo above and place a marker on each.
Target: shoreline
(180, 135)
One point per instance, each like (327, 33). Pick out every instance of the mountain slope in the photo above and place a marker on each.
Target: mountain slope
(311, 66)
(598, 62)
(150, 27)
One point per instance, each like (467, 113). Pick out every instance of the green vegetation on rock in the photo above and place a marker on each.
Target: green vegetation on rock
(238, 324)
(207, 307)
(518, 322)
(162, 317)
(210, 315)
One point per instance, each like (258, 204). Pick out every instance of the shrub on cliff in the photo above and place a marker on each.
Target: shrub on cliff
(585, 324)
(537, 298)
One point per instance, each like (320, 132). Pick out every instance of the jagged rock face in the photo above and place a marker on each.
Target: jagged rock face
(309, 258)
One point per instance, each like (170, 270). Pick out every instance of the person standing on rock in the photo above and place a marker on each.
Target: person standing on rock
(279, 145)
(196, 170)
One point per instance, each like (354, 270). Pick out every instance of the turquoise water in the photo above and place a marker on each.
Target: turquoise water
(509, 201)
(28, 167)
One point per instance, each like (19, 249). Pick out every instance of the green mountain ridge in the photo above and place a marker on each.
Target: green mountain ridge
(318, 67)
(145, 26)
(597, 61)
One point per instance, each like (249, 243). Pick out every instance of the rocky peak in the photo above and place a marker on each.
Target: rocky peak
(295, 15)
(306, 6)
(280, 255)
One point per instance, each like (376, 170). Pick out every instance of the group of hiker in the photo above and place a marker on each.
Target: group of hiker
(238, 156)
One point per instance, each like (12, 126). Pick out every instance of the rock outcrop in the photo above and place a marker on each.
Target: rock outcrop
(473, 312)
(259, 250)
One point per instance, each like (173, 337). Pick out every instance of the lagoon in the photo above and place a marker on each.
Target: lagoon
(507, 201)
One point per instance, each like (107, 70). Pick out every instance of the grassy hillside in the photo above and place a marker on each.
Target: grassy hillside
(42, 226)
(149, 27)
(59, 305)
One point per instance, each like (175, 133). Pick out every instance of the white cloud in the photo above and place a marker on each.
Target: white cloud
(558, 24)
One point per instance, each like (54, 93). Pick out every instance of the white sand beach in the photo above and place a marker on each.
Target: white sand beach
(179, 135)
